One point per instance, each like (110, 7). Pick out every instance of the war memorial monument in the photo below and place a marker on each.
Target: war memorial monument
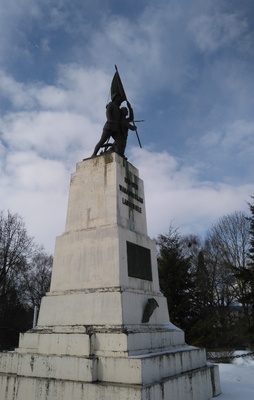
(103, 331)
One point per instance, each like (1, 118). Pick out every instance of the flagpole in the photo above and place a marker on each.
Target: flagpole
(137, 135)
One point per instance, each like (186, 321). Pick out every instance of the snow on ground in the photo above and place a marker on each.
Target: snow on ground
(237, 379)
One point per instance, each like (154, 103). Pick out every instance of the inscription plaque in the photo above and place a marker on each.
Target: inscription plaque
(139, 262)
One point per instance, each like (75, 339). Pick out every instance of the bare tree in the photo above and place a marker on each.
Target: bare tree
(227, 247)
(35, 280)
(16, 247)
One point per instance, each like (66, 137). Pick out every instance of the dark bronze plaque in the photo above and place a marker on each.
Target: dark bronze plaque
(139, 262)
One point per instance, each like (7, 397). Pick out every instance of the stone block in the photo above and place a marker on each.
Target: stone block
(105, 191)
(8, 363)
(64, 344)
(86, 259)
(78, 308)
(151, 367)
(113, 307)
(138, 341)
(7, 387)
(58, 367)
(29, 341)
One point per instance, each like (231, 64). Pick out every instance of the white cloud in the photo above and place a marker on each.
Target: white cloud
(51, 134)
(62, 120)
(236, 136)
(17, 93)
(175, 194)
(240, 135)
(37, 190)
(212, 32)
(153, 46)
(15, 18)
(77, 88)
(29, 172)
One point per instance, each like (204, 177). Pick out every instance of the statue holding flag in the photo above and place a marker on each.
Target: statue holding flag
(117, 124)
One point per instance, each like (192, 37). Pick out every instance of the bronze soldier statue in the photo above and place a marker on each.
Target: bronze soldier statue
(117, 124)
(112, 125)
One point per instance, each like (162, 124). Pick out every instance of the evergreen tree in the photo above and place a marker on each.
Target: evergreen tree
(202, 284)
(175, 278)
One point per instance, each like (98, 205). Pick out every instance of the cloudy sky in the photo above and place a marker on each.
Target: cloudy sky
(188, 69)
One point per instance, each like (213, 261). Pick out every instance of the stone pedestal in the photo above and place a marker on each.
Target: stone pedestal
(90, 341)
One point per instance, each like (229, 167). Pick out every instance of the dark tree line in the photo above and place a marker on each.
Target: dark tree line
(209, 284)
(25, 271)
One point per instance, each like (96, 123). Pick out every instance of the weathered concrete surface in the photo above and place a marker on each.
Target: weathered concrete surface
(89, 342)
(200, 384)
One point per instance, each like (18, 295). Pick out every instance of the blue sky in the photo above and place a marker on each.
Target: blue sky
(187, 69)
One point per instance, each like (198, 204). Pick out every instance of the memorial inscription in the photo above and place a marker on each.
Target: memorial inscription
(128, 191)
(130, 183)
(132, 205)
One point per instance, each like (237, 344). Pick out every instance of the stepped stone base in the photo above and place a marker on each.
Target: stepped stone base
(105, 340)
(90, 342)
(64, 366)
(196, 386)
(100, 362)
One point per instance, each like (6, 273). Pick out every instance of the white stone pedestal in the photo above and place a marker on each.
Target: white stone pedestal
(90, 342)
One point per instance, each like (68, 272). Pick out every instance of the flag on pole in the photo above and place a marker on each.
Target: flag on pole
(117, 86)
